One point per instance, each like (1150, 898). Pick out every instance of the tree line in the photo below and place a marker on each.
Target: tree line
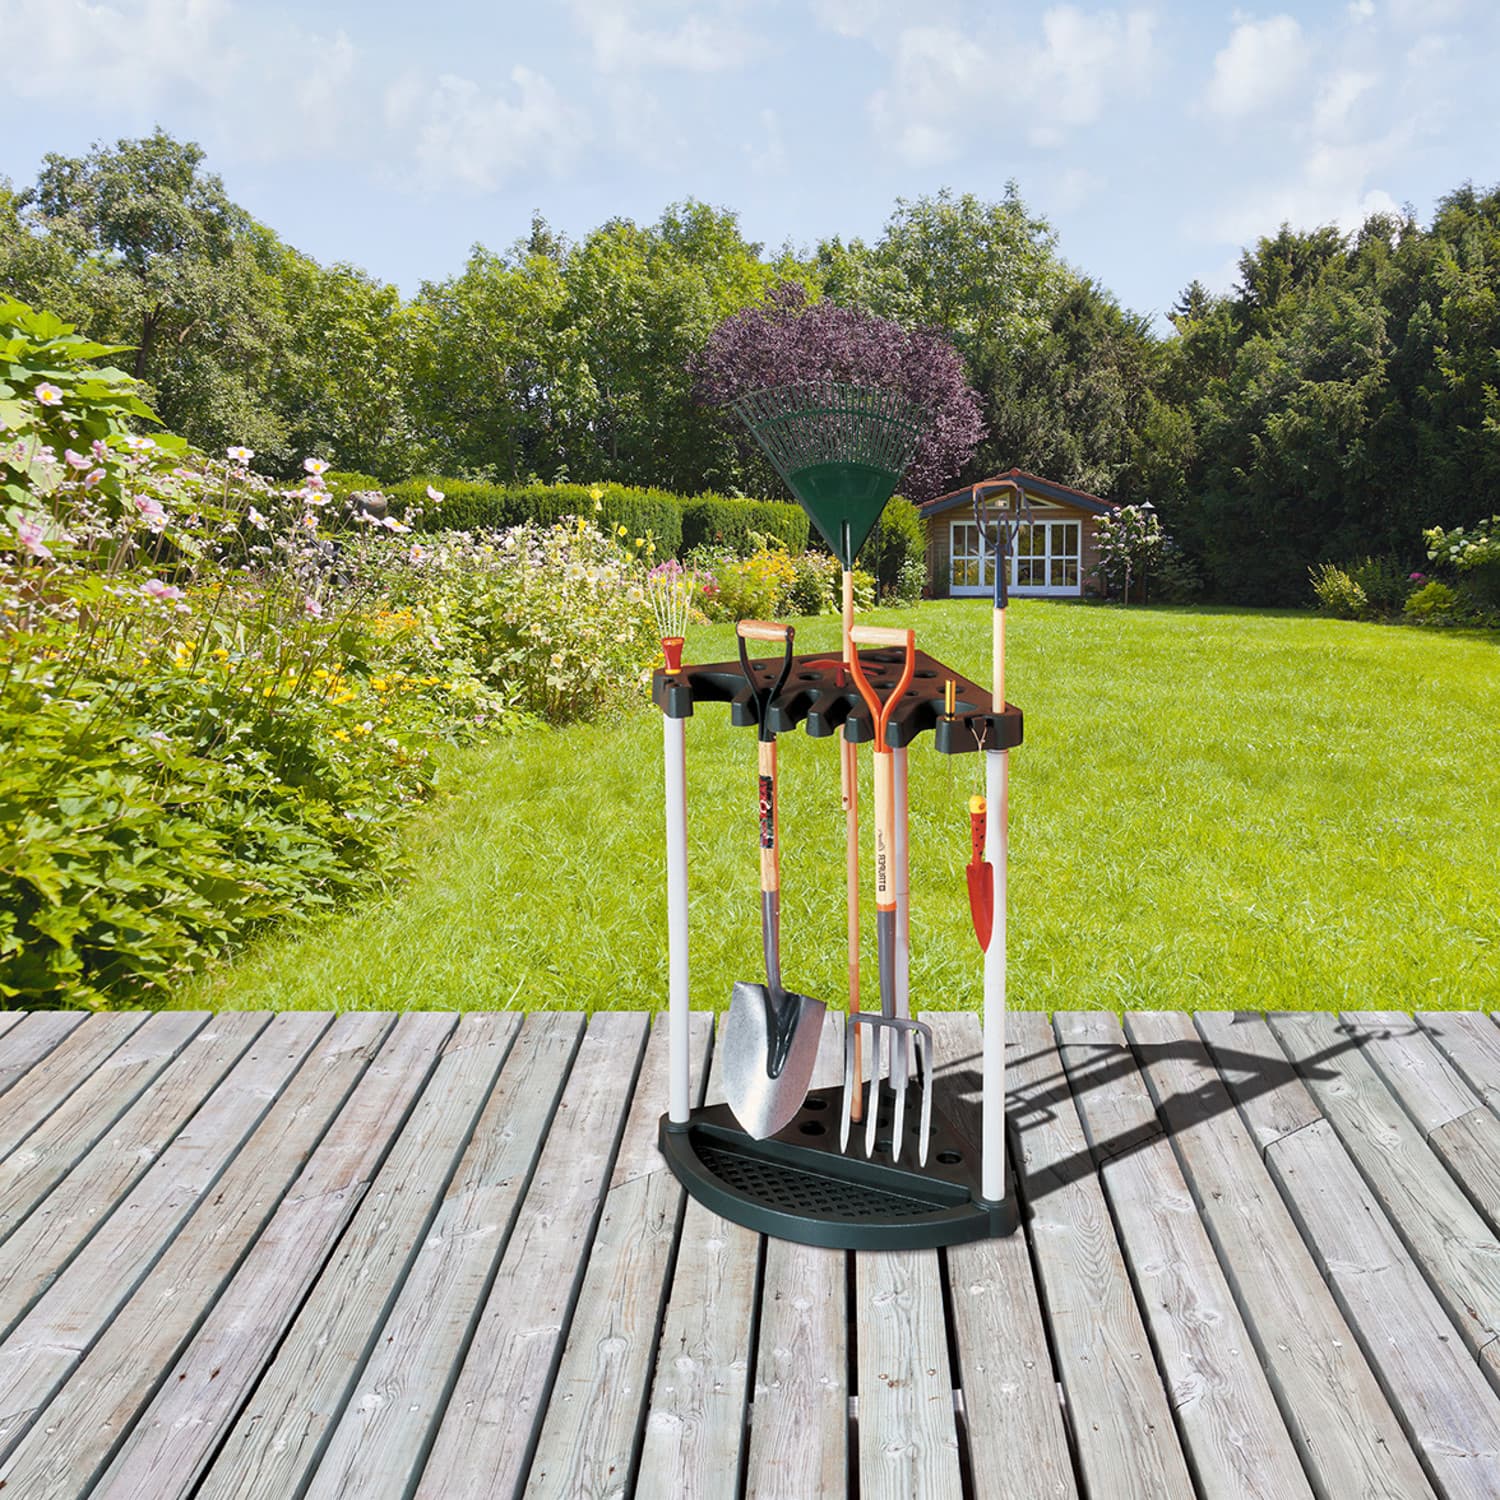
(1342, 396)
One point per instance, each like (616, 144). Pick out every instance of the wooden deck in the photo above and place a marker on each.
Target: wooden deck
(378, 1256)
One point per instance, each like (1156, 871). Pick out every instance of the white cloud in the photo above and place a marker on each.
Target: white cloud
(468, 136)
(1337, 98)
(134, 55)
(949, 85)
(1361, 10)
(1263, 62)
(1083, 57)
(695, 44)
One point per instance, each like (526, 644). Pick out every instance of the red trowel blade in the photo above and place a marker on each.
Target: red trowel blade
(981, 877)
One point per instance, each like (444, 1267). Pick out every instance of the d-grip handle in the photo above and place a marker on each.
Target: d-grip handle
(882, 635)
(763, 630)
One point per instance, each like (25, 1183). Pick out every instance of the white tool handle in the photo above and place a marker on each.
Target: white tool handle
(674, 733)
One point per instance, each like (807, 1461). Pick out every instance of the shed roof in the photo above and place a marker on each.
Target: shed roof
(1048, 488)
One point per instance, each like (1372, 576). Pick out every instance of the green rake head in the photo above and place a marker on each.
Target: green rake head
(841, 449)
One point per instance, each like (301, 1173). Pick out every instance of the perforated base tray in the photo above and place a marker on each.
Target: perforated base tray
(799, 1186)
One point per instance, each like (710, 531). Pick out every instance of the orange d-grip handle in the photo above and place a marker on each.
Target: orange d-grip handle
(763, 630)
(882, 635)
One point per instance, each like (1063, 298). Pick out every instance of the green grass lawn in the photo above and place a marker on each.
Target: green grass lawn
(1212, 808)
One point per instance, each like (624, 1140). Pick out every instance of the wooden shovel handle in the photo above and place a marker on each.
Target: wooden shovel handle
(763, 630)
(770, 840)
(881, 635)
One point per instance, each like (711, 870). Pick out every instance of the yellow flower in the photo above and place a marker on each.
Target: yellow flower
(220, 654)
(379, 684)
(340, 734)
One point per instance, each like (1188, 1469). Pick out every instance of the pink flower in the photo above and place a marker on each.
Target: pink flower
(312, 608)
(138, 444)
(100, 449)
(436, 496)
(31, 537)
(314, 466)
(1416, 577)
(392, 524)
(93, 477)
(152, 512)
(310, 521)
(76, 460)
(48, 394)
(417, 553)
(162, 593)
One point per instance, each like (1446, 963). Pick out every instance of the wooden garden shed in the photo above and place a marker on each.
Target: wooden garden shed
(1055, 555)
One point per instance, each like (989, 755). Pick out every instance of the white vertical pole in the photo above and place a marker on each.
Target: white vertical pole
(996, 845)
(680, 1083)
(996, 790)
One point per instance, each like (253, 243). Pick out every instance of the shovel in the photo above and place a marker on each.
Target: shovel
(771, 1035)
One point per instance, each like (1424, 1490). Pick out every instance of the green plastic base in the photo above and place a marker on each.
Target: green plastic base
(798, 1185)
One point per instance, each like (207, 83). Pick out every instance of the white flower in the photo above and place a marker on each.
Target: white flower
(392, 524)
(138, 444)
(163, 593)
(239, 455)
(255, 518)
(312, 608)
(314, 466)
(48, 394)
(436, 496)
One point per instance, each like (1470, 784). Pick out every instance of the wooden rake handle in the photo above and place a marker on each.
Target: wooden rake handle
(882, 635)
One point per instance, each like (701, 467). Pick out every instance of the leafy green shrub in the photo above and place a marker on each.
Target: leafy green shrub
(1338, 594)
(469, 505)
(1385, 581)
(1174, 577)
(739, 526)
(817, 586)
(896, 543)
(344, 484)
(1435, 603)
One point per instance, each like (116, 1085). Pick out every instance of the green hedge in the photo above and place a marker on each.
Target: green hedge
(896, 540)
(715, 521)
(675, 522)
(472, 506)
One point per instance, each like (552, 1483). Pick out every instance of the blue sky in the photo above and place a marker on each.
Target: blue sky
(1158, 138)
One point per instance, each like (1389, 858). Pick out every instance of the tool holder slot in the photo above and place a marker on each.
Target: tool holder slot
(798, 1184)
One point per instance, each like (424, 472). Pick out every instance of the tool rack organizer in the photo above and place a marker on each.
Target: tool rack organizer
(798, 1184)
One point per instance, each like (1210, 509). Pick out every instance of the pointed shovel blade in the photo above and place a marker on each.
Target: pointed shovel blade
(758, 1033)
(981, 878)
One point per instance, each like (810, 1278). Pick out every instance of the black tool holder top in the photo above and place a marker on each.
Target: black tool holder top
(798, 1184)
(820, 697)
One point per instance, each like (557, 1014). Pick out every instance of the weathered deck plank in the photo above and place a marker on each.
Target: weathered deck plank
(485, 1440)
(30, 1172)
(1341, 1421)
(593, 1422)
(799, 1428)
(71, 1062)
(1231, 1427)
(695, 1422)
(31, 1038)
(1013, 1419)
(1471, 1042)
(1120, 1420)
(1438, 1393)
(384, 1433)
(1445, 1234)
(275, 1442)
(35, 1250)
(171, 1443)
(60, 1328)
(125, 1343)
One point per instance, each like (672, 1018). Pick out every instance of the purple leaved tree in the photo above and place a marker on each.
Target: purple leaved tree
(788, 339)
